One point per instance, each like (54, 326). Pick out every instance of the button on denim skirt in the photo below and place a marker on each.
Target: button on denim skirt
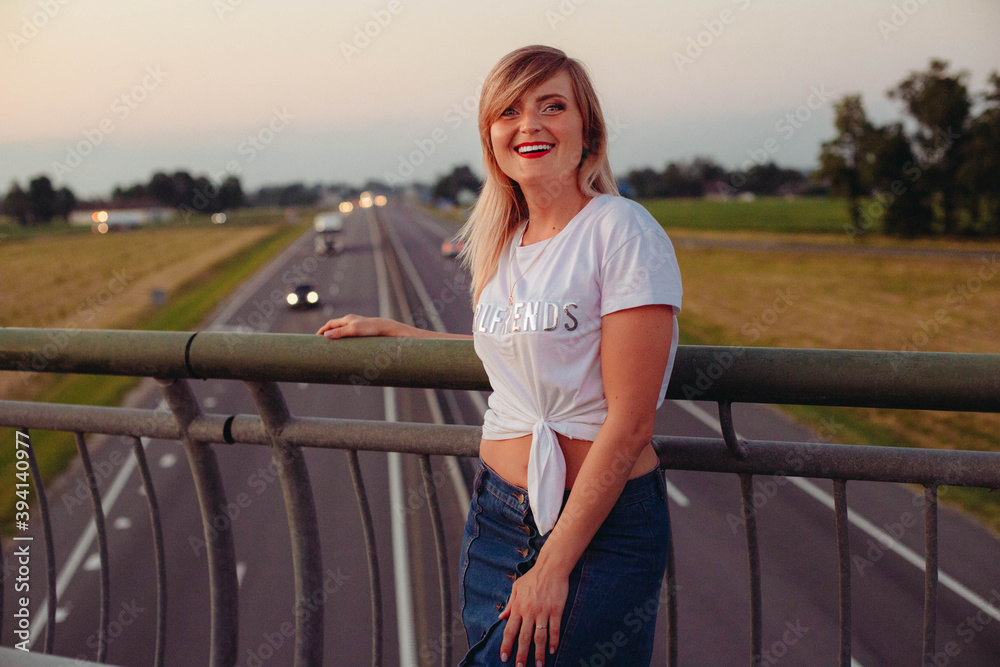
(614, 590)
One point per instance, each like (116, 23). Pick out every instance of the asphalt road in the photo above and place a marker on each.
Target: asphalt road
(797, 543)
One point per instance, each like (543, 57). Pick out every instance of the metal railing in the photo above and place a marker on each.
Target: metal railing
(726, 375)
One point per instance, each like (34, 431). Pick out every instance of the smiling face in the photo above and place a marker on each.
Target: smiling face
(539, 137)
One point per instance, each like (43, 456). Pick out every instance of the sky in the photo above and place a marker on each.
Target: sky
(107, 92)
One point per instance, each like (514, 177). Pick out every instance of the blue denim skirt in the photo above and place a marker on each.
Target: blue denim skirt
(614, 589)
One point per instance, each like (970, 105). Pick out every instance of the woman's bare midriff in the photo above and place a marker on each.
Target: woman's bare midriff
(509, 458)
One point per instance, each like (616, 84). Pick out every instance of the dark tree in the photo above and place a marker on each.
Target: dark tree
(16, 204)
(845, 161)
(42, 200)
(162, 189)
(65, 203)
(231, 193)
(900, 184)
(979, 174)
(939, 101)
(646, 183)
(460, 178)
(184, 187)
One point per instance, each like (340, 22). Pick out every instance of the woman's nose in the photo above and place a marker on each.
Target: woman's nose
(530, 122)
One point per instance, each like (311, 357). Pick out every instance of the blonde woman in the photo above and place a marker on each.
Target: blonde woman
(576, 292)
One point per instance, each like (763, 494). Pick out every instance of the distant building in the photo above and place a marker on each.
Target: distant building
(104, 218)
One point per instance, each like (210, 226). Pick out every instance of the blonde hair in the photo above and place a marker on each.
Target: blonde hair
(501, 205)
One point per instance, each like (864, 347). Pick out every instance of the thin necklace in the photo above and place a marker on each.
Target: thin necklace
(510, 264)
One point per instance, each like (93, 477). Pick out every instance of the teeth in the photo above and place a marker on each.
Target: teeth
(534, 149)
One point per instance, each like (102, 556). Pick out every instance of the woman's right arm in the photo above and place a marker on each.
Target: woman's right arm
(356, 325)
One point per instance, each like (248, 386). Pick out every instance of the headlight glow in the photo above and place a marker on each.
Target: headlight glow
(312, 297)
(292, 299)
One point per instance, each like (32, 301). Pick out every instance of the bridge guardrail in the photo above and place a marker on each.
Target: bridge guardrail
(725, 375)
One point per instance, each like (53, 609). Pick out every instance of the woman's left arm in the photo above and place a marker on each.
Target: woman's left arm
(635, 346)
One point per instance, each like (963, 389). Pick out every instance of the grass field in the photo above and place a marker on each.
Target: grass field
(69, 279)
(813, 215)
(856, 301)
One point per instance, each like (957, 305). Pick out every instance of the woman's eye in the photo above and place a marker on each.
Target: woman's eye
(555, 107)
(508, 112)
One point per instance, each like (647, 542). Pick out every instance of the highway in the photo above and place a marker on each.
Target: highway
(797, 543)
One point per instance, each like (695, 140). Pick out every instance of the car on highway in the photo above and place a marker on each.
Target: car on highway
(451, 247)
(302, 297)
(328, 222)
(327, 244)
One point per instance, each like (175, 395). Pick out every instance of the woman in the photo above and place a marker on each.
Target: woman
(575, 292)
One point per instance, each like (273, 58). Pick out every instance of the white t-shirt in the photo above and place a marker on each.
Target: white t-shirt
(543, 352)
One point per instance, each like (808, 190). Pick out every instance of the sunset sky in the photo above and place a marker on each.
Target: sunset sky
(109, 91)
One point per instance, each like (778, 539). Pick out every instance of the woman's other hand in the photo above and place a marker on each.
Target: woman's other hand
(534, 614)
(356, 325)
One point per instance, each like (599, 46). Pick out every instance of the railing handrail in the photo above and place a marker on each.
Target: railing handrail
(856, 378)
(914, 380)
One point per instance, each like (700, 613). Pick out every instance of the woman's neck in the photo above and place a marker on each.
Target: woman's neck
(550, 209)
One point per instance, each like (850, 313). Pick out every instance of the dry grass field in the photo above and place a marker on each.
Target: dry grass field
(95, 281)
(855, 301)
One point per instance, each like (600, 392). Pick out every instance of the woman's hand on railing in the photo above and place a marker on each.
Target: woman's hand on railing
(356, 325)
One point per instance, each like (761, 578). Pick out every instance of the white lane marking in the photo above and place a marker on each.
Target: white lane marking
(451, 464)
(168, 460)
(62, 613)
(241, 570)
(676, 495)
(400, 548)
(93, 563)
(907, 554)
(864, 524)
(83, 545)
(123, 523)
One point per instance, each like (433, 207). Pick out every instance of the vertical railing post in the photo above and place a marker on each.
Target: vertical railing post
(102, 546)
(368, 530)
(930, 572)
(303, 527)
(753, 558)
(158, 551)
(844, 565)
(221, 552)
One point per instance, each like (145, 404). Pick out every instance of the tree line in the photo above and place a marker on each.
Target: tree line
(940, 177)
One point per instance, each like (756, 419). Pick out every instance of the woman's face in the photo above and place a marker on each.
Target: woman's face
(539, 138)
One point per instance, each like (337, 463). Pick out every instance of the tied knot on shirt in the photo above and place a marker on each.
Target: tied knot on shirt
(546, 476)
